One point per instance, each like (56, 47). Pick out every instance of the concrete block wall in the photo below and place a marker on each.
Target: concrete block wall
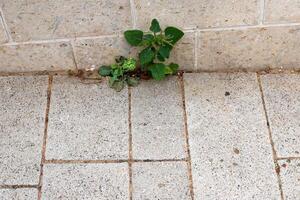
(39, 35)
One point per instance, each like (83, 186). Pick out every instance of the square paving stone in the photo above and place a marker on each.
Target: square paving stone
(85, 181)
(282, 97)
(157, 120)
(290, 177)
(22, 106)
(87, 121)
(160, 180)
(18, 194)
(230, 149)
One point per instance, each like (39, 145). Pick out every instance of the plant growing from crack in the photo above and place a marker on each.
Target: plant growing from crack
(156, 48)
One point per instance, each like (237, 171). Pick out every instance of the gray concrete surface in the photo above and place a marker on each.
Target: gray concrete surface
(90, 152)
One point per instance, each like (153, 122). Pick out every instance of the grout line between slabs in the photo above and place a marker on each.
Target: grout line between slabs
(66, 72)
(186, 135)
(50, 80)
(274, 154)
(54, 161)
(130, 157)
(288, 158)
(17, 186)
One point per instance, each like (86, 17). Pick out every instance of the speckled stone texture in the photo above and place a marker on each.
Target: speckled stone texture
(251, 49)
(197, 13)
(47, 19)
(87, 121)
(157, 120)
(282, 11)
(86, 181)
(102, 51)
(36, 57)
(19, 194)
(161, 180)
(230, 148)
(282, 97)
(290, 176)
(22, 107)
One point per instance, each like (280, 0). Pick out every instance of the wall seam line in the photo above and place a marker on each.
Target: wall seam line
(262, 12)
(73, 54)
(5, 26)
(196, 45)
(119, 35)
(133, 13)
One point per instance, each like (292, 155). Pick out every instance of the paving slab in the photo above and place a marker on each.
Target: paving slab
(230, 149)
(85, 181)
(19, 194)
(157, 120)
(282, 98)
(87, 121)
(160, 180)
(290, 177)
(22, 106)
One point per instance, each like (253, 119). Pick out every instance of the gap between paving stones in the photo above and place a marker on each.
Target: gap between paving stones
(109, 161)
(274, 153)
(288, 158)
(49, 90)
(17, 186)
(67, 72)
(186, 135)
(130, 157)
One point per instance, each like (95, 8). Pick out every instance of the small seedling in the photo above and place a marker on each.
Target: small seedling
(156, 48)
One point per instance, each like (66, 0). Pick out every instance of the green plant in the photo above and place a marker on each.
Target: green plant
(156, 48)
(118, 73)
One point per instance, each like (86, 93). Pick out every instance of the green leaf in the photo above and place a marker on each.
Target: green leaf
(173, 34)
(160, 58)
(116, 73)
(146, 56)
(116, 85)
(171, 69)
(134, 37)
(155, 28)
(148, 39)
(174, 67)
(132, 81)
(157, 71)
(168, 70)
(104, 70)
(164, 51)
